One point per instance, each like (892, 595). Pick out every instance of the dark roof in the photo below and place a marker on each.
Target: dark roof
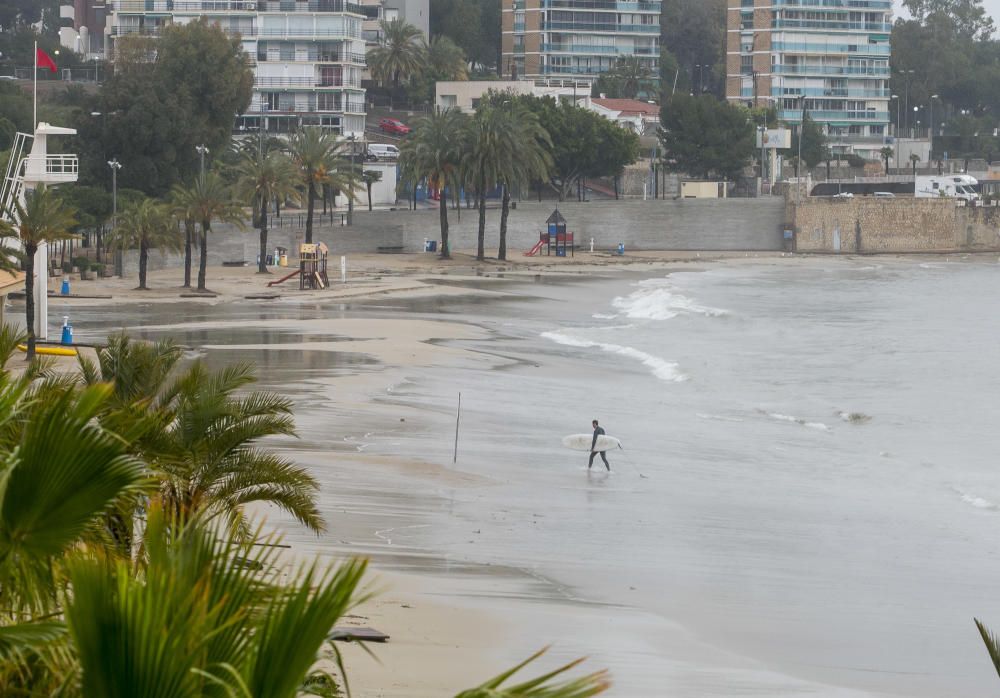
(556, 217)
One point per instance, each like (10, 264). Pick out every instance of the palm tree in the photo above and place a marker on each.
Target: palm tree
(370, 177)
(263, 175)
(182, 201)
(526, 158)
(632, 73)
(489, 137)
(208, 459)
(434, 151)
(320, 160)
(446, 59)
(399, 56)
(211, 201)
(43, 218)
(886, 154)
(914, 159)
(146, 225)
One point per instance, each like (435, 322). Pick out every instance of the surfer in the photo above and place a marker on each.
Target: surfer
(598, 431)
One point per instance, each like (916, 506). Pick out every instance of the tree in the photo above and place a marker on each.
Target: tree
(814, 147)
(886, 154)
(43, 218)
(633, 75)
(914, 159)
(399, 56)
(526, 158)
(692, 34)
(320, 160)
(434, 151)
(212, 201)
(263, 175)
(489, 135)
(182, 201)
(969, 17)
(370, 177)
(153, 113)
(209, 461)
(144, 226)
(584, 144)
(705, 137)
(446, 59)
(474, 26)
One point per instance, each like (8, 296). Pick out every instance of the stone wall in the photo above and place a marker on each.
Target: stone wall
(875, 225)
(732, 224)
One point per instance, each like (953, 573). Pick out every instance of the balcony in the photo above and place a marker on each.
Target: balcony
(859, 49)
(837, 4)
(314, 57)
(830, 25)
(876, 72)
(598, 27)
(124, 30)
(794, 115)
(193, 6)
(51, 169)
(310, 6)
(307, 83)
(613, 5)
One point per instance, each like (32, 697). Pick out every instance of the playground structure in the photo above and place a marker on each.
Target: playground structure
(556, 237)
(312, 266)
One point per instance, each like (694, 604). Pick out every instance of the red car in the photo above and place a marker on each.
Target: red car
(393, 126)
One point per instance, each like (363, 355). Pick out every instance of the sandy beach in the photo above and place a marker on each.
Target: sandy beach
(710, 562)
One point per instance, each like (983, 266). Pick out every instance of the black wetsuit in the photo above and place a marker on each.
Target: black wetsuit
(599, 431)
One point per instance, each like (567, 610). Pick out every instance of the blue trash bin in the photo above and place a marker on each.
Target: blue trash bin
(621, 248)
(67, 335)
(64, 291)
(431, 246)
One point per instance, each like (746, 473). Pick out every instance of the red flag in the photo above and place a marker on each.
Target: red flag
(43, 60)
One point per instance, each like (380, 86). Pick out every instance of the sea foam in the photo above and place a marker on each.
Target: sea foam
(655, 299)
(661, 368)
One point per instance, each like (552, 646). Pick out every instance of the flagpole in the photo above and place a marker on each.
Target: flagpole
(34, 94)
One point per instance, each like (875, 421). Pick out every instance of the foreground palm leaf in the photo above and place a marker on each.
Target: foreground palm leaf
(992, 643)
(200, 622)
(542, 686)
(66, 472)
(208, 457)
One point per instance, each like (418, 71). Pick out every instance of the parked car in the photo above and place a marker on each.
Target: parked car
(382, 151)
(395, 126)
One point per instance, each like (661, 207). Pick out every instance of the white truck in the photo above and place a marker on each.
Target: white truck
(949, 186)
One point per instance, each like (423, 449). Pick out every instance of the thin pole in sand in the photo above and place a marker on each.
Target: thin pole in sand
(458, 418)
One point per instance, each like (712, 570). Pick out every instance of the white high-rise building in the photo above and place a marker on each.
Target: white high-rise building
(308, 55)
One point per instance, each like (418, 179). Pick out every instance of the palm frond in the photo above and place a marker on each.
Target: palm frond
(542, 686)
(992, 644)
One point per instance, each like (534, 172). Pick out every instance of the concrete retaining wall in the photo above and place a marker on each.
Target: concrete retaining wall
(872, 225)
(733, 224)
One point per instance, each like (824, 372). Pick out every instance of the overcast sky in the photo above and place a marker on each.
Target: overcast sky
(992, 5)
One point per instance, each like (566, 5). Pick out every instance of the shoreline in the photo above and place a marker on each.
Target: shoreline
(453, 623)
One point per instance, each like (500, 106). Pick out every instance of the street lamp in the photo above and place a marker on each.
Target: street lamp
(930, 106)
(202, 151)
(906, 80)
(915, 129)
(115, 166)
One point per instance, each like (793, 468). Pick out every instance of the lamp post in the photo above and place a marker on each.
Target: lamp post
(906, 80)
(916, 109)
(930, 106)
(898, 111)
(798, 161)
(202, 152)
(115, 166)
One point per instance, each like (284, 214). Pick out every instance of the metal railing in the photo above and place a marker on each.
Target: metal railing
(304, 82)
(52, 168)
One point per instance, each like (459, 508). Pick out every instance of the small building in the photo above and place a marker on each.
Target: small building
(465, 95)
(703, 190)
(632, 114)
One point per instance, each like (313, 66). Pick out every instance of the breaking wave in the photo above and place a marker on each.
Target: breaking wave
(661, 368)
(656, 300)
(819, 426)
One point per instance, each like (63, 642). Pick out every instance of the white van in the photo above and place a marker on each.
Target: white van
(381, 151)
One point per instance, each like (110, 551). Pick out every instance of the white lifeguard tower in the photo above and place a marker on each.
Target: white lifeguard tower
(24, 174)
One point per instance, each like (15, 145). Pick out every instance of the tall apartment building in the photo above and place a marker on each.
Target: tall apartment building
(577, 38)
(81, 26)
(308, 55)
(829, 57)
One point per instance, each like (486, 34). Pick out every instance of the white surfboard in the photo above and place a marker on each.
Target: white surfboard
(581, 442)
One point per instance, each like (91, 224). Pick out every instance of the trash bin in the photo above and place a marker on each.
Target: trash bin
(560, 252)
(283, 261)
(431, 246)
(67, 332)
(64, 291)
(621, 248)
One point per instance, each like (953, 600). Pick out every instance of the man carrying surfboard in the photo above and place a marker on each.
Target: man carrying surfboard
(598, 431)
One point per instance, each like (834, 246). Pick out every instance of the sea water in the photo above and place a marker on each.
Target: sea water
(807, 501)
(809, 487)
